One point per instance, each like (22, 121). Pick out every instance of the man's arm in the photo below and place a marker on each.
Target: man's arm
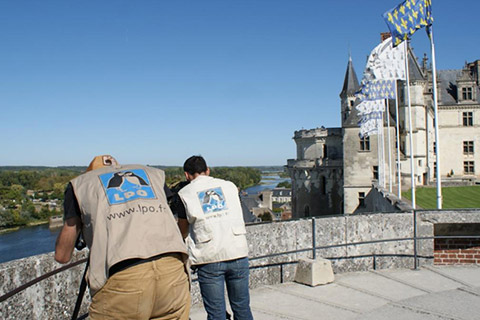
(66, 239)
(183, 226)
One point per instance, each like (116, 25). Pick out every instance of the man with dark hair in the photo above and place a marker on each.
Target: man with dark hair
(213, 226)
(138, 260)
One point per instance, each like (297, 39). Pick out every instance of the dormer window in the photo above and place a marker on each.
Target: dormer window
(467, 93)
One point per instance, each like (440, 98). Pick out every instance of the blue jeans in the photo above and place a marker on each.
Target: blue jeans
(234, 274)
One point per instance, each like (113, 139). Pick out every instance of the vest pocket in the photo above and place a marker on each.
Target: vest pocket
(201, 232)
(239, 230)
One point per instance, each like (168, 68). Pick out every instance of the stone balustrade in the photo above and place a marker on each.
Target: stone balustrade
(54, 298)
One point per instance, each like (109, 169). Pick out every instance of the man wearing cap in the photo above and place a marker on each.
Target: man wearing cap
(137, 256)
(213, 221)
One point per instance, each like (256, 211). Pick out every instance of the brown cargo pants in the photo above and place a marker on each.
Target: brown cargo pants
(156, 289)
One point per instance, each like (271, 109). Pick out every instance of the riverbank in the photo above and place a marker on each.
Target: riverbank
(7, 230)
(30, 224)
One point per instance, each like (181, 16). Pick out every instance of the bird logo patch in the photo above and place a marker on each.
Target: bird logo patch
(127, 185)
(212, 200)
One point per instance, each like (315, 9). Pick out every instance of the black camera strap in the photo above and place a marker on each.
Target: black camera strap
(81, 291)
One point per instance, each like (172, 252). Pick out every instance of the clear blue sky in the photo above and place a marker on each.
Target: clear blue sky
(154, 82)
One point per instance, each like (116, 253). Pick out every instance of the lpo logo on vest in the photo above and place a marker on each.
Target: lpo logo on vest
(127, 185)
(212, 200)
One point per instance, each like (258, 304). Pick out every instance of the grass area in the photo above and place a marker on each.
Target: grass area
(453, 197)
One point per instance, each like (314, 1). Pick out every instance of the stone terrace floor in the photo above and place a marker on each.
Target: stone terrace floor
(436, 292)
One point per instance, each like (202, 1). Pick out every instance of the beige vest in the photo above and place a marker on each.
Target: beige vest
(125, 215)
(217, 230)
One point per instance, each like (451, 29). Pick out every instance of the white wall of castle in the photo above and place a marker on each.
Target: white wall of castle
(452, 136)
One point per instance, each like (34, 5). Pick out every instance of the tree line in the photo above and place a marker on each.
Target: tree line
(47, 183)
(243, 177)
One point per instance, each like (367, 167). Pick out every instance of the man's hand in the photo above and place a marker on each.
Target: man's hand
(66, 239)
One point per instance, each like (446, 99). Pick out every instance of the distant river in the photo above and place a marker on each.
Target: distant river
(267, 182)
(40, 239)
(28, 241)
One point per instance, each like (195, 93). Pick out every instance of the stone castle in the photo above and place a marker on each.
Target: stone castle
(335, 169)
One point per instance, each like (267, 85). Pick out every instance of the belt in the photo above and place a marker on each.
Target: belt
(125, 264)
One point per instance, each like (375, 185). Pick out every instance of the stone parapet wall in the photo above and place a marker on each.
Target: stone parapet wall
(380, 200)
(54, 298)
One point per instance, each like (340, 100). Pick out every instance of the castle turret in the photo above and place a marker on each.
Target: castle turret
(350, 86)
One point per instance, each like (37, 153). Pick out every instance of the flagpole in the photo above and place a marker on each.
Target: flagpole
(398, 143)
(379, 158)
(412, 169)
(389, 148)
(435, 110)
(384, 182)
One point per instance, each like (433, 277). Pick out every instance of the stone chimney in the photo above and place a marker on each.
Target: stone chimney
(384, 36)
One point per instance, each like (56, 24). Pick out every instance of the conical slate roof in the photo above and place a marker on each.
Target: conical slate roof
(350, 84)
(414, 69)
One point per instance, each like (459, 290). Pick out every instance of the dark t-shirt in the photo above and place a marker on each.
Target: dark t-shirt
(72, 209)
(176, 204)
(177, 207)
(70, 204)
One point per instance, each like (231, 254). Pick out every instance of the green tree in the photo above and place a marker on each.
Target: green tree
(16, 193)
(58, 190)
(266, 216)
(6, 219)
(44, 213)
(285, 184)
(18, 218)
(243, 177)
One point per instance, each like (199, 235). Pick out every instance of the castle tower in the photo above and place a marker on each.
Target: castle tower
(361, 167)
(350, 86)
(317, 172)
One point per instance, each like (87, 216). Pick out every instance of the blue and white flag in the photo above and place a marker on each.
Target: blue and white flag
(377, 89)
(368, 106)
(370, 112)
(370, 125)
(385, 62)
(408, 17)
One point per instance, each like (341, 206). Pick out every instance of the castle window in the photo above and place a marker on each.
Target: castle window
(365, 144)
(325, 151)
(324, 185)
(375, 172)
(468, 167)
(468, 147)
(361, 199)
(468, 119)
(351, 103)
(435, 169)
(307, 211)
(467, 93)
(434, 147)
